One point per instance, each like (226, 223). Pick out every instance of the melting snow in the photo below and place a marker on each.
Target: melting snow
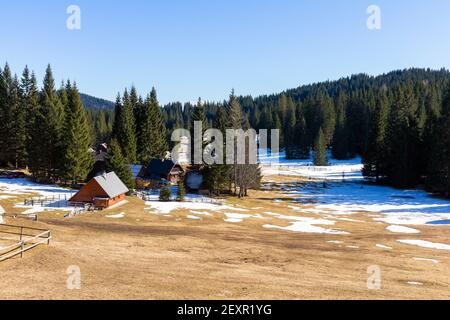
(427, 260)
(401, 229)
(116, 216)
(383, 247)
(426, 244)
(236, 217)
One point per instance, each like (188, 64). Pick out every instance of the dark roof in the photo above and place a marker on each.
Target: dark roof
(111, 184)
(160, 167)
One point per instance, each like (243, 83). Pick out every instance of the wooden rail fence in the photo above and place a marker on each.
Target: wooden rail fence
(29, 238)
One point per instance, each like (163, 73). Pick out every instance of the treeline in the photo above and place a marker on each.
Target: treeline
(46, 129)
(397, 122)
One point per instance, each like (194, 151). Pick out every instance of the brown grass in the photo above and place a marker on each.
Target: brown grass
(146, 256)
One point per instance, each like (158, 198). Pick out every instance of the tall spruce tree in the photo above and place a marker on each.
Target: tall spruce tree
(198, 115)
(116, 162)
(124, 128)
(438, 168)
(153, 136)
(46, 151)
(30, 103)
(373, 160)
(320, 149)
(77, 139)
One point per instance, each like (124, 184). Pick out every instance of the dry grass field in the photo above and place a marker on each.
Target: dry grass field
(149, 256)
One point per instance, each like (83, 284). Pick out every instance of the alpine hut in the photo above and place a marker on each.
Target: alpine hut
(102, 191)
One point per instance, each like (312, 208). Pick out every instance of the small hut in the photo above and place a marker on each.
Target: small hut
(102, 191)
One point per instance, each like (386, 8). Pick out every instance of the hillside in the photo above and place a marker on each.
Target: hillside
(91, 102)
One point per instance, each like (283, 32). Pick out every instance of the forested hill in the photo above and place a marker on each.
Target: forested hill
(360, 82)
(91, 102)
(398, 122)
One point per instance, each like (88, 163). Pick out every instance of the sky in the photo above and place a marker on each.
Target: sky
(204, 48)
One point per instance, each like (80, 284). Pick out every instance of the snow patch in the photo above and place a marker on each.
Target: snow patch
(426, 244)
(381, 246)
(414, 283)
(401, 229)
(236, 217)
(116, 216)
(427, 260)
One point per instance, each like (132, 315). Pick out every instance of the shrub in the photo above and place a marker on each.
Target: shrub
(165, 194)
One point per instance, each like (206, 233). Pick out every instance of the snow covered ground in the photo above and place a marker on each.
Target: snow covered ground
(396, 207)
(13, 187)
(277, 164)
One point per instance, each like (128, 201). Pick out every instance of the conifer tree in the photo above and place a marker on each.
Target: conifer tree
(320, 150)
(30, 103)
(116, 162)
(374, 159)
(153, 136)
(46, 152)
(217, 176)
(77, 139)
(124, 128)
(198, 115)
(438, 168)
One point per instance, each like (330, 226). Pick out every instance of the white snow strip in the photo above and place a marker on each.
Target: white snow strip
(426, 244)
(353, 247)
(2, 211)
(236, 217)
(201, 213)
(193, 217)
(304, 228)
(401, 229)
(383, 247)
(335, 242)
(116, 216)
(414, 283)
(427, 260)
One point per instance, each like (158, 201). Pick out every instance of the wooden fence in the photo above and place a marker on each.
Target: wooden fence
(29, 238)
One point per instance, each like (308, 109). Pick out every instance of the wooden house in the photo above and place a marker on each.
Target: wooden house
(102, 191)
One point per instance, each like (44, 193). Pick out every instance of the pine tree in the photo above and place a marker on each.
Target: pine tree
(181, 191)
(217, 176)
(320, 150)
(124, 128)
(374, 159)
(77, 139)
(12, 120)
(198, 115)
(438, 168)
(290, 136)
(30, 103)
(340, 146)
(116, 162)
(46, 150)
(402, 140)
(153, 137)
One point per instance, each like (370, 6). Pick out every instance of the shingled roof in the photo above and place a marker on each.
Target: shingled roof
(111, 184)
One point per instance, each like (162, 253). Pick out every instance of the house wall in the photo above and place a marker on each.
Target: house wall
(89, 192)
(115, 200)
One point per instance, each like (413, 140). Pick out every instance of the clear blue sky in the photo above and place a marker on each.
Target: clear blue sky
(193, 48)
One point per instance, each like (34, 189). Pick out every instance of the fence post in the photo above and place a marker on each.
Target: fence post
(48, 237)
(21, 233)
(22, 247)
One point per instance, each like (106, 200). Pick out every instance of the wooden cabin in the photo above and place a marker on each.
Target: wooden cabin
(164, 169)
(102, 191)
